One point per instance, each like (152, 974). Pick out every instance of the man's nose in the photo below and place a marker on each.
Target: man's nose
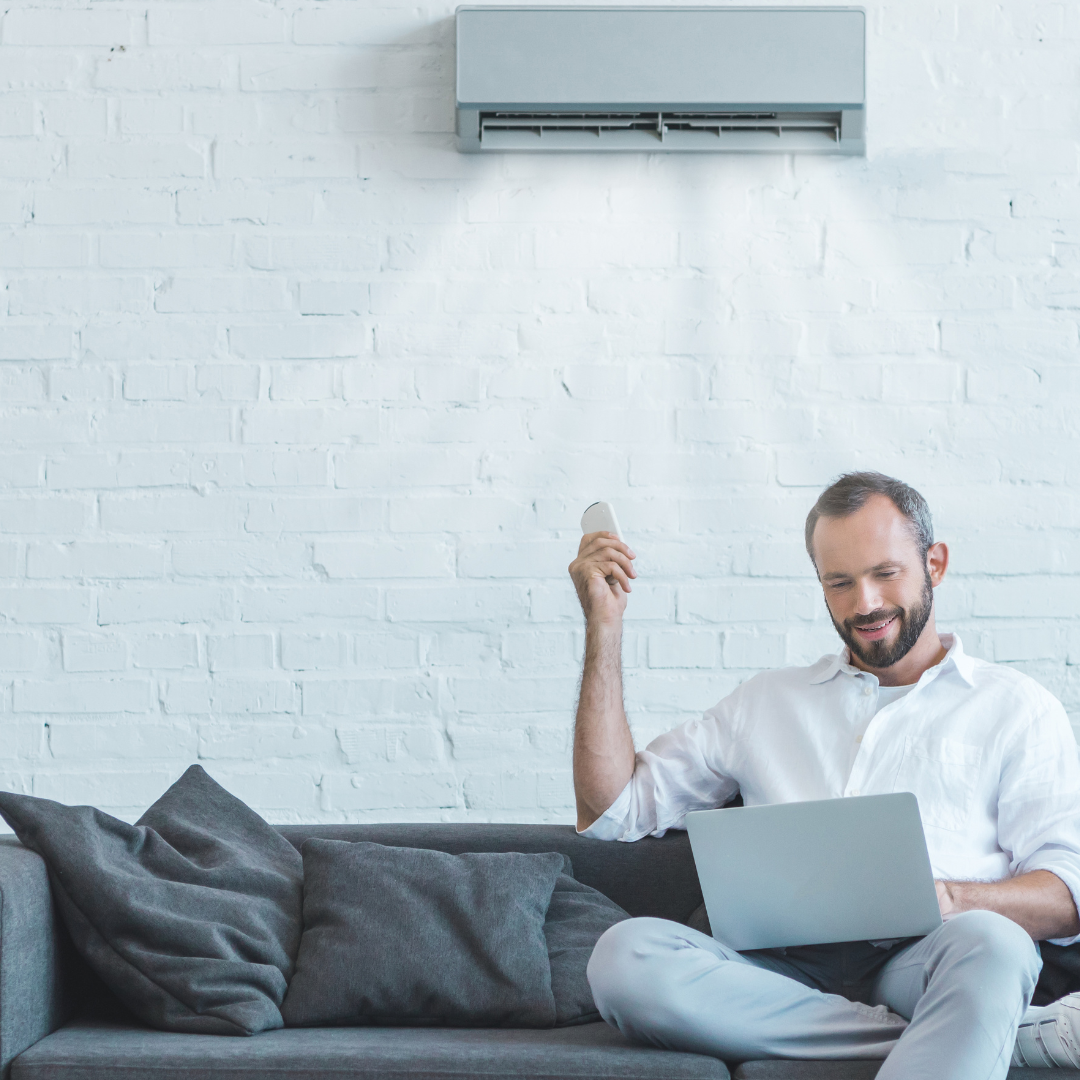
(869, 597)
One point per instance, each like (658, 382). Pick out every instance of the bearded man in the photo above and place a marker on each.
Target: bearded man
(988, 752)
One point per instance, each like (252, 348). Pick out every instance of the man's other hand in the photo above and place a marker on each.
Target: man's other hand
(1039, 901)
(945, 902)
(602, 555)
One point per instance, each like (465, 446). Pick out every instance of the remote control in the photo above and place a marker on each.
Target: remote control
(600, 517)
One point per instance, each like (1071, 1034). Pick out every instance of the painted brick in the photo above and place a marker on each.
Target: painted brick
(124, 161)
(19, 652)
(463, 603)
(81, 696)
(206, 24)
(228, 382)
(213, 559)
(421, 791)
(56, 514)
(455, 514)
(683, 649)
(287, 604)
(9, 560)
(378, 559)
(232, 651)
(755, 651)
(163, 603)
(312, 652)
(132, 743)
(169, 652)
(94, 652)
(283, 468)
(382, 469)
(243, 695)
(90, 559)
(328, 513)
(185, 295)
(113, 789)
(367, 697)
(176, 513)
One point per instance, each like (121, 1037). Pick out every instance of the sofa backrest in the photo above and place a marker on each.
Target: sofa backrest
(650, 877)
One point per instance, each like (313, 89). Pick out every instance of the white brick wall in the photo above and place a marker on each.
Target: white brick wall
(299, 408)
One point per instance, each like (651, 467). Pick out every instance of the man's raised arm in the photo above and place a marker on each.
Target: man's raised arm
(603, 746)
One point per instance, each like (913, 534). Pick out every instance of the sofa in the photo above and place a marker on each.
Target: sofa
(58, 1022)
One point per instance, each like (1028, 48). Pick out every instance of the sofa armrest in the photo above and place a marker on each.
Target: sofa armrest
(33, 948)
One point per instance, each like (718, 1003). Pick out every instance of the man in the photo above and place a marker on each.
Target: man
(988, 752)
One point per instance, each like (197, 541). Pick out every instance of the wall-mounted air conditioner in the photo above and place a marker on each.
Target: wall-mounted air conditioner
(781, 79)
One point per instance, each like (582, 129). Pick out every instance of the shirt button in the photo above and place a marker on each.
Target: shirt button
(858, 738)
(855, 792)
(868, 691)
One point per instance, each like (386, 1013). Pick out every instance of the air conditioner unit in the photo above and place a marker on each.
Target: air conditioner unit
(742, 79)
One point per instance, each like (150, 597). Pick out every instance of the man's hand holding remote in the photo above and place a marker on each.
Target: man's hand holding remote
(602, 555)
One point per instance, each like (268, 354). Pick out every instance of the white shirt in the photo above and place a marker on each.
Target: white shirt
(988, 752)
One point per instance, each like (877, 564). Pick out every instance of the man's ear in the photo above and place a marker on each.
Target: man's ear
(937, 562)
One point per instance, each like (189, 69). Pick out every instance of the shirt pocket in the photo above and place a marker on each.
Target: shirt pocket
(943, 775)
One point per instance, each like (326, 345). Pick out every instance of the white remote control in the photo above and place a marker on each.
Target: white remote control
(600, 517)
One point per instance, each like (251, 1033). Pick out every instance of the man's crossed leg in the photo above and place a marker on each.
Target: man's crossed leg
(945, 1007)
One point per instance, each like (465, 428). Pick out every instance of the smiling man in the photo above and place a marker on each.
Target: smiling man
(988, 752)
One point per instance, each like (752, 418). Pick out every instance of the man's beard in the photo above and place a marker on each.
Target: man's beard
(880, 654)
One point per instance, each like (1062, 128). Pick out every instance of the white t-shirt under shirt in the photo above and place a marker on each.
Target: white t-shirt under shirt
(886, 695)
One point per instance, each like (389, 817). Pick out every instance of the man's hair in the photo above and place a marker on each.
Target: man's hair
(849, 494)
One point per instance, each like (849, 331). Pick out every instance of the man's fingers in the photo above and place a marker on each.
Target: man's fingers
(617, 556)
(614, 570)
(595, 564)
(608, 549)
(593, 542)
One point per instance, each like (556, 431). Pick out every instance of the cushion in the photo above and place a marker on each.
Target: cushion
(405, 935)
(83, 1051)
(192, 916)
(576, 918)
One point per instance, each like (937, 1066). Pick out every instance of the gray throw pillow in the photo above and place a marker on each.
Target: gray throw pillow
(576, 918)
(410, 936)
(192, 916)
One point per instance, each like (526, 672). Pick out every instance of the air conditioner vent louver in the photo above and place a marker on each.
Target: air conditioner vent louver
(658, 79)
(514, 129)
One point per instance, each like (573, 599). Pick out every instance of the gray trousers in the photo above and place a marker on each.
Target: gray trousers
(942, 1007)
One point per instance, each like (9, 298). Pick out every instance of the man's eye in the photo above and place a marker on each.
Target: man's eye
(887, 573)
(839, 584)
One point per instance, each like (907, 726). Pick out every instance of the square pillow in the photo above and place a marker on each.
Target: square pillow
(410, 936)
(576, 918)
(192, 916)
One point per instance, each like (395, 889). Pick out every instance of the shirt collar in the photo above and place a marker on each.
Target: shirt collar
(832, 665)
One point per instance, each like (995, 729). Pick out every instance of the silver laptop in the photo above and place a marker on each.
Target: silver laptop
(808, 873)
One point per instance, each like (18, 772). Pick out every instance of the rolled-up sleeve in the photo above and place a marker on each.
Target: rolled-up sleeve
(688, 768)
(1039, 800)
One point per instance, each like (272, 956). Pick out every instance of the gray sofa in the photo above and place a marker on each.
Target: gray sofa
(58, 1023)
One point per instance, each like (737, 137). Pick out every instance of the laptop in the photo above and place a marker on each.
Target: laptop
(809, 873)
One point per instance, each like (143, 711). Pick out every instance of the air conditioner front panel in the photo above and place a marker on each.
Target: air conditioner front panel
(691, 56)
(659, 79)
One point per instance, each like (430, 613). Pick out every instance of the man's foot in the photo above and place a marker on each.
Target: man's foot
(1049, 1037)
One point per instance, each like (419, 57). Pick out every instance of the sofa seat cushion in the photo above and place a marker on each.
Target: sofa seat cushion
(857, 1070)
(93, 1051)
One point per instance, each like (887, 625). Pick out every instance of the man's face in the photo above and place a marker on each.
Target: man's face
(878, 590)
